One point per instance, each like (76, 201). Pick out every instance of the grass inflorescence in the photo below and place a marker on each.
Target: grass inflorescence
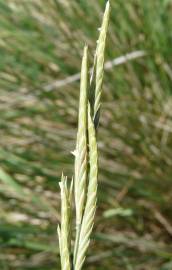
(40, 51)
(86, 161)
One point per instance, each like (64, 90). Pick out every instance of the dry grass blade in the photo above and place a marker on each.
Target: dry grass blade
(123, 59)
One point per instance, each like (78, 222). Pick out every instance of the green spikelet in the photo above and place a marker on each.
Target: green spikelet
(99, 64)
(64, 232)
(81, 149)
(90, 207)
(81, 144)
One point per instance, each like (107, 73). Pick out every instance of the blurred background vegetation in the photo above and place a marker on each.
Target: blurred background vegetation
(41, 45)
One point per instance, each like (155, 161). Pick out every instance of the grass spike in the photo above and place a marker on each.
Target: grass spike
(99, 64)
(81, 149)
(64, 231)
(86, 162)
(90, 207)
(81, 144)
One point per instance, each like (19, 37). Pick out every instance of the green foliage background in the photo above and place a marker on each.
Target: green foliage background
(41, 42)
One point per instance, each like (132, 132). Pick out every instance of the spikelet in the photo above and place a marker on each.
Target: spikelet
(99, 65)
(81, 144)
(90, 207)
(64, 233)
(81, 149)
